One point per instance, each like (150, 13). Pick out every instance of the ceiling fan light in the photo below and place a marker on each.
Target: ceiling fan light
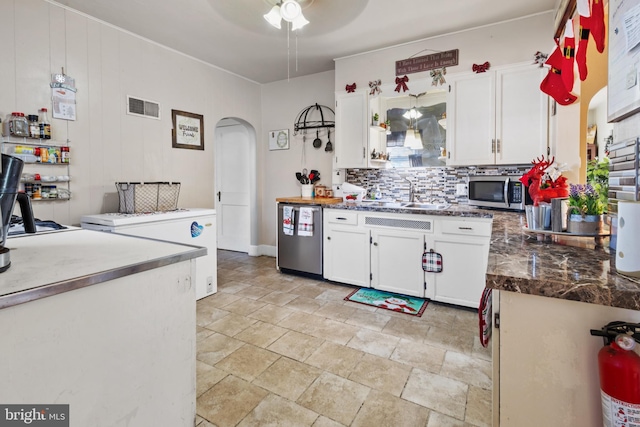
(299, 22)
(273, 17)
(290, 10)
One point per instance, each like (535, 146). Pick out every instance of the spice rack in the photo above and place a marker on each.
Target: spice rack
(58, 172)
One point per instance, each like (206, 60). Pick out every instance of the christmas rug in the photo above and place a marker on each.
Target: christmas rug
(390, 301)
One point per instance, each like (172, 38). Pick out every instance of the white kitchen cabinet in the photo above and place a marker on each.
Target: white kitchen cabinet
(346, 248)
(497, 117)
(352, 123)
(464, 246)
(396, 261)
(356, 137)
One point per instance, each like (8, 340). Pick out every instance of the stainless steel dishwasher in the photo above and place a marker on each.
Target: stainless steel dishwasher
(296, 252)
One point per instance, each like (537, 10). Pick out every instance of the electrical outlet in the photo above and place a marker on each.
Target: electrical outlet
(461, 189)
(209, 284)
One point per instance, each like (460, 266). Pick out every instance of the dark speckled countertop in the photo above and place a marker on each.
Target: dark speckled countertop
(571, 268)
(518, 262)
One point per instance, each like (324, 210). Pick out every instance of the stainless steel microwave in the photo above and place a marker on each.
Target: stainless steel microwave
(498, 191)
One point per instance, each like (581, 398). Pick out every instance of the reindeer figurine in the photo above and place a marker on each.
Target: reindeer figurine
(542, 187)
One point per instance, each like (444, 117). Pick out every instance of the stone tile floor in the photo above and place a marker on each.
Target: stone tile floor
(283, 350)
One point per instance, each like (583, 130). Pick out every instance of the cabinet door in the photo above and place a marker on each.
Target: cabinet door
(464, 267)
(471, 120)
(396, 261)
(351, 130)
(346, 255)
(521, 119)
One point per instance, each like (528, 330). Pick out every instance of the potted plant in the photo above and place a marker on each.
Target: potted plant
(598, 177)
(376, 117)
(585, 210)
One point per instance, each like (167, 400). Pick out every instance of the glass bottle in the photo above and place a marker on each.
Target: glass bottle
(45, 126)
(34, 126)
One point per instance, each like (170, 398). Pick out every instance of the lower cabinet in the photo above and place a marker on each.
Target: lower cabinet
(464, 246)
(396, 261)
(384, 251)
(345, 248)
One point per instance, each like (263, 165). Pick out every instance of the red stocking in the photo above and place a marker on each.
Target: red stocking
(583, 40)
(552, 84)
(597, 24)
(568, 54)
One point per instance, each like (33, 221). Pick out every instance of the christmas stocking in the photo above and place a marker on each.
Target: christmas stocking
(568, 54)
(583, 40)
(552, 84)
(597, 26)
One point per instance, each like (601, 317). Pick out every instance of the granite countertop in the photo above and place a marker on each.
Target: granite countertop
(391, 207)
(573, 268)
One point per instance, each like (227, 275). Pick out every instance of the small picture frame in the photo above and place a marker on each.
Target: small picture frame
(188, 130)
(279, 139)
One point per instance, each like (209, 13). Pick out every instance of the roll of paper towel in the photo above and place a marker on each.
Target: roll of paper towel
(628, 246)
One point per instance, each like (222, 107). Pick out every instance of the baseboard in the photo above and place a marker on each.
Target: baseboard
(267, 250)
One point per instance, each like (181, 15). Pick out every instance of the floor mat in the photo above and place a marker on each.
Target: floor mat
(390, 301)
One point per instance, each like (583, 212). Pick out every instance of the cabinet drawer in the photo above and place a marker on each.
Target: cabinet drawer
(341, 217)
(469, 228)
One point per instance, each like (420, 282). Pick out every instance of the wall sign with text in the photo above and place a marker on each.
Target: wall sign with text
(188, 130)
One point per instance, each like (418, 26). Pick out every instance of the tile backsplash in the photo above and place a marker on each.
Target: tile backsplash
(431, 184)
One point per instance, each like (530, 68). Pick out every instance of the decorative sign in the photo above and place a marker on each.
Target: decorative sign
(279, 139)
(188, 130)
(427, 62)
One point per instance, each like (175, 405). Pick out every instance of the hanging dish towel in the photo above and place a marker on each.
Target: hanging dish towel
(305, 222)
(484, 317)
(287, 220)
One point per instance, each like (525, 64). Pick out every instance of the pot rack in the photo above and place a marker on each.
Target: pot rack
(304, 122)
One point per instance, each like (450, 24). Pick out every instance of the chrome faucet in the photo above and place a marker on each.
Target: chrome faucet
(412, 195)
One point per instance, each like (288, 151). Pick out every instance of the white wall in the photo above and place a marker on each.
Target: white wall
(281, 103)
(507, 43)
(39, 38)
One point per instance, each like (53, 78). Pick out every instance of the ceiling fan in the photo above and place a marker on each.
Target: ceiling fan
(290, 11)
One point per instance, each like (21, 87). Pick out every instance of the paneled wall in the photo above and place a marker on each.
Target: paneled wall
(107, 145)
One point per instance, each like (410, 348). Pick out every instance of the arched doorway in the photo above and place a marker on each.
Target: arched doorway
(235, 186)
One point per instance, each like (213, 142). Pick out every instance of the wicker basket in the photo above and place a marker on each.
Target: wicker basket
(141, 197)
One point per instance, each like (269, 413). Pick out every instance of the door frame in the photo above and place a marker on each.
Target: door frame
(253, 166)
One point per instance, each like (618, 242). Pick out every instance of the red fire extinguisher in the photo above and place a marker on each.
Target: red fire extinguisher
(619, 368)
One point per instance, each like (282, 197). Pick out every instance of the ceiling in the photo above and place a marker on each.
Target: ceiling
(233, 35)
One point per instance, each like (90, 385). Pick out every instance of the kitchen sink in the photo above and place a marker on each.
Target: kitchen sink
(428, 206)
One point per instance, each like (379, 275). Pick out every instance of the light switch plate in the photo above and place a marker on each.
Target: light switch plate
(461, 189)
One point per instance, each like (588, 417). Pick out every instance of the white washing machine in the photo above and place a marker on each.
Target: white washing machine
(196, 227)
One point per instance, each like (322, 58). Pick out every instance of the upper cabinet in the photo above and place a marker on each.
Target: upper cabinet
(352, 111)
(497, 117)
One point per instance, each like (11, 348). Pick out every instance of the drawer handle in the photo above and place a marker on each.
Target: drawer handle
(465, 228)
(328, 237)
(341, 218)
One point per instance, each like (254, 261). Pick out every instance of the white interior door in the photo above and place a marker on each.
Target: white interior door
(232, 187)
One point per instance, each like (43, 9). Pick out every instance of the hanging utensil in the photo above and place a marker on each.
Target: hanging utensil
(329, 147)
(317, 143)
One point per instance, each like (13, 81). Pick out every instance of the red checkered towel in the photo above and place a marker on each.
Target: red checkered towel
(432, 262)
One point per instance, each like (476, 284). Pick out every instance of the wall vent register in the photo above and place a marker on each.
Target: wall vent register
(399, 223)
(143, 108)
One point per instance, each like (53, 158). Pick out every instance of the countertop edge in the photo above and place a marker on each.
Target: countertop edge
(51, 289)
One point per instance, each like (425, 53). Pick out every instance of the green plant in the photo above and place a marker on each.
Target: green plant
(598, 177)
(584, 200)
(376, 117)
